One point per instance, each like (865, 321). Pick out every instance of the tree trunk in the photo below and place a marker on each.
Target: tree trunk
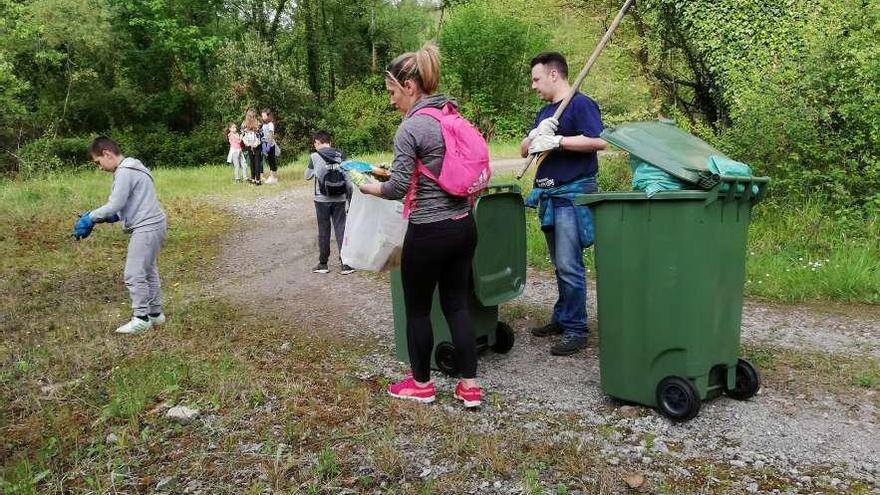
(374, 58)
(704, 84)
(273, 28)
(642, 55)
(66, 97)
(312, 57)
(261, 19)
(329, 35)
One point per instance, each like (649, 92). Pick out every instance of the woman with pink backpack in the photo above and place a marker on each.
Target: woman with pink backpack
(440, 162)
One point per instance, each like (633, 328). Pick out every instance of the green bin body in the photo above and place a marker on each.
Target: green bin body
(670, 272)
(499, 275)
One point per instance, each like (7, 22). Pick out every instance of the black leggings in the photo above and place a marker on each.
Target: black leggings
(439, 253)
(272, 159)
(255, 159)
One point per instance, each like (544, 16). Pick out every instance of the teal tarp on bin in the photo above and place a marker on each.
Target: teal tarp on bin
(651, 179)
(725, 166)
(663, 145)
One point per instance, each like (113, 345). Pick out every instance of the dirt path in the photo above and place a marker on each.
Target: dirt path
(269, 262)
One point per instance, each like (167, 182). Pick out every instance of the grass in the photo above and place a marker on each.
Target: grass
(82, 411)
(816, 374)
(799, 253)
(501, 150)
(59, 299)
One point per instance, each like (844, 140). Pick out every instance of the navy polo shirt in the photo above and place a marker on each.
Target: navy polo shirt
(580, 118)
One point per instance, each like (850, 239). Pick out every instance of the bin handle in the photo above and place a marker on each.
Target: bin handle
(734, 181)
(503, 187)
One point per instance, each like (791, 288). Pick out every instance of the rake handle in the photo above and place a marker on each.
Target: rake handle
(581, 76)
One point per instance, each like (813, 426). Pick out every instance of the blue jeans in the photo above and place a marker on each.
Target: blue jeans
(570, 311)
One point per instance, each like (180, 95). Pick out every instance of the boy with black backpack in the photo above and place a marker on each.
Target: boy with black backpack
(331, 191)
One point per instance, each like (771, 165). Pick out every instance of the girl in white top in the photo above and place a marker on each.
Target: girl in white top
(270, 150)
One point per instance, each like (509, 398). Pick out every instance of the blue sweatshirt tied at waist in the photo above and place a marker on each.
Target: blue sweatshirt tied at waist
(542, 198)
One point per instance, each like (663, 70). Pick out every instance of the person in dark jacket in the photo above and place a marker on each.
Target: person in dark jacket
(330, 209)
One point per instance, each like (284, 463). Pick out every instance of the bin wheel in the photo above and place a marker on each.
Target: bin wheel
(444, 356)
(503, 338)
(677, 399)
(748, 381)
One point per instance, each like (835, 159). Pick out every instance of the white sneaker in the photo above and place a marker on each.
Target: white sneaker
(136, 325)
(158, 321)
(272, 180)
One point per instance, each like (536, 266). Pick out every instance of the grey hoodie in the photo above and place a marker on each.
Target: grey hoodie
(133, 198)
(420, 138)
(318, 167)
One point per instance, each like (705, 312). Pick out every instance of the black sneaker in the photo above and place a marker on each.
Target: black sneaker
(345, 270)
(547, 330)
(568, 346)
(321, 268)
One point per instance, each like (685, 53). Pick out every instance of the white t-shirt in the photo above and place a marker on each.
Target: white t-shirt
(269, 133)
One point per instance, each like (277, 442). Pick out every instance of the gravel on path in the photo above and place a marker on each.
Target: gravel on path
(269, 260)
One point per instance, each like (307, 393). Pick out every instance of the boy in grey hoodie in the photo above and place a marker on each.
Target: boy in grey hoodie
(329, 209)
(132, 200)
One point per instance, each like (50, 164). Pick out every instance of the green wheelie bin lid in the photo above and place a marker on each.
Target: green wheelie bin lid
(499, 266)
(667, 147)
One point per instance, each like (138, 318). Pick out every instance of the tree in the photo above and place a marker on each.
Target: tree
(487, 54)
(168, 48)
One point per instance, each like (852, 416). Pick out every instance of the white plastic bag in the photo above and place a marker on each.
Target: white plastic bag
(374, 231)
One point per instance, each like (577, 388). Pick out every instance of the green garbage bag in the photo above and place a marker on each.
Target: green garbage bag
(651, 179)
(725, 166)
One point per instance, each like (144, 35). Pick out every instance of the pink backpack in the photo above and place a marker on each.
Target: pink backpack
(465, 171)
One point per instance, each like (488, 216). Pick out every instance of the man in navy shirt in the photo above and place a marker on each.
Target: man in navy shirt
(568, 169)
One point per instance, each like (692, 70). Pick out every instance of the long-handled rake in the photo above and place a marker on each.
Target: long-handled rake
(580, 79)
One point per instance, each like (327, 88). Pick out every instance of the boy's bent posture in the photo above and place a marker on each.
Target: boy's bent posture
(132, 200)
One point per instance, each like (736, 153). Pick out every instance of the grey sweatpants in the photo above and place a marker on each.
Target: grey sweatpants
(329, 211)
(142, 271)
(239, 164)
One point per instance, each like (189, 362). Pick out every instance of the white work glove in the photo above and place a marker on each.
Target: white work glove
(546, 127)
(543, 143)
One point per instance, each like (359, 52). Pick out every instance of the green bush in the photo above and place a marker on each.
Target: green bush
(485, 55)
(48, 154)
(792, 89)
(249, 74)
(36, 159)
(361, 118)
(155, 146)
(159, 147)
(813, 122)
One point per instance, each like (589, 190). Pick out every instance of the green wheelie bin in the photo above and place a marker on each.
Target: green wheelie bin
(498, 274)
(670, 276)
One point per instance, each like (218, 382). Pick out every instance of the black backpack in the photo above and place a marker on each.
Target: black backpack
(333, 181)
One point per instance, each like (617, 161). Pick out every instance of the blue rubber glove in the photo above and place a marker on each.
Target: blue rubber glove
(111, 219)
(83, 226)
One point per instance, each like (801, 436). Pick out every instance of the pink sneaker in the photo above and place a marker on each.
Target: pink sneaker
(472, 397)
(409, 390)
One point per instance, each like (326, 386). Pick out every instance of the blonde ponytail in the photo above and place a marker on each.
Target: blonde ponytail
(428, 63)
(422, 66)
